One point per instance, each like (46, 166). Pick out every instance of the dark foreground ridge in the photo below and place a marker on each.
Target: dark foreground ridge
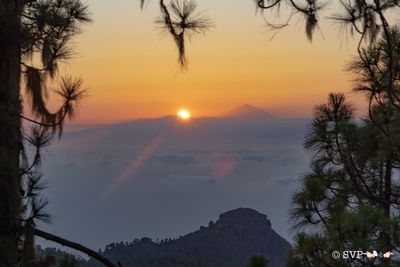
(229, 242)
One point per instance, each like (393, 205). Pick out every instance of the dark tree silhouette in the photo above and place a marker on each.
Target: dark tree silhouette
(35, 37)
(351, 200)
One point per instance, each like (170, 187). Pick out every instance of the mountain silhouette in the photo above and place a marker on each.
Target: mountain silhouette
(249, 111)
(243, 125)
(229, 242)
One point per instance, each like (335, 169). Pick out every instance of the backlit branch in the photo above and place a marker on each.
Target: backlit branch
(76, 246)
(70, 90)
(309, 9)
(181, 20)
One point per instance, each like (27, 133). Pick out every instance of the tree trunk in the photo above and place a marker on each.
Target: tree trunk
(388, 188)
(10, 132)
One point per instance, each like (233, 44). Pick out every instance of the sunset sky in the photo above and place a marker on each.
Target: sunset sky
(132, 72)
(141, 173)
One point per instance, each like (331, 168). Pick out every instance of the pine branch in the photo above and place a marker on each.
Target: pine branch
(76, 246)
(262, 5)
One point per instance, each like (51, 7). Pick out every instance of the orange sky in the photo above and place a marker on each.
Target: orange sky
(132, 71)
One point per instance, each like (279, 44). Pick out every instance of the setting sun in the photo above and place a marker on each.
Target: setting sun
(183, 114)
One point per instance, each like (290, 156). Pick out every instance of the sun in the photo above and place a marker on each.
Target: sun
(183, 114)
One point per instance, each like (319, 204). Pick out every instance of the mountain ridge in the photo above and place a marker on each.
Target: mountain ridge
(241, 112)
(229, 242)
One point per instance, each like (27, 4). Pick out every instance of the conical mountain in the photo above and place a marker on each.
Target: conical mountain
(249, 112)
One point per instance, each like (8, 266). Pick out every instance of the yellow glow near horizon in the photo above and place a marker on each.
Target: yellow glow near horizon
(183, 114)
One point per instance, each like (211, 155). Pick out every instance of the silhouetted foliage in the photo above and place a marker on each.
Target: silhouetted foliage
(351, 200)
(180, 19)
(257, 261)
(35, 37)
(63, 259)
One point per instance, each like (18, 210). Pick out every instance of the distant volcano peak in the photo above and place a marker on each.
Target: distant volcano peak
(247, 106)
(249, 111)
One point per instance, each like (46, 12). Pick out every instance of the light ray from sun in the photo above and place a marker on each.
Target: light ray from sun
(134, 166)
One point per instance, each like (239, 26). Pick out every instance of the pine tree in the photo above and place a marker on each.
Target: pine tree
(34, 37)
(350, 200)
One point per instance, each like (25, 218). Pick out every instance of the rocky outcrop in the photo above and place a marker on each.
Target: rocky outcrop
(229, 242)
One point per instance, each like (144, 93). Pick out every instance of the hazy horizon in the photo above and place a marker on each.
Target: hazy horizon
(173, 113)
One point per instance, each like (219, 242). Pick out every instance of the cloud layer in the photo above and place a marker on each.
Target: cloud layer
(158, 179)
